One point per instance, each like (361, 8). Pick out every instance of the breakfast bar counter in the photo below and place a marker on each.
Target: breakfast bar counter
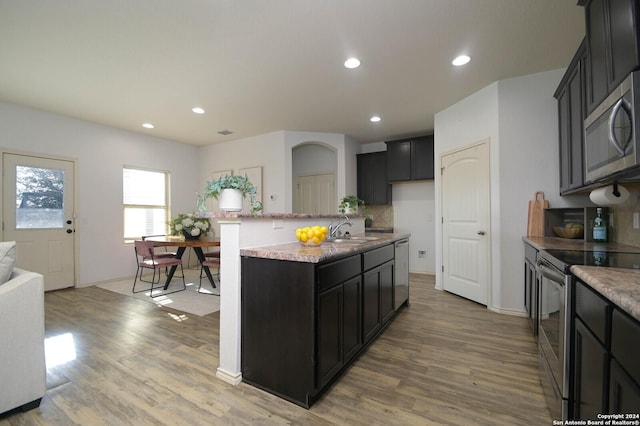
(296, 252)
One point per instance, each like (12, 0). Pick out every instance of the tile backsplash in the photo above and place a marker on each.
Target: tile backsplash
(621, 221)
(382, 215)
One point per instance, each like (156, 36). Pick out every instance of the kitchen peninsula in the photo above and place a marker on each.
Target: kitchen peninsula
(240, 231)
(308, 312)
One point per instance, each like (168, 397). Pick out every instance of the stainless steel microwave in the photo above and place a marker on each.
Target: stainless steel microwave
(611, 139)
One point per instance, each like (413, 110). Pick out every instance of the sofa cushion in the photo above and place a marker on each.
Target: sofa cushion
(7, 260)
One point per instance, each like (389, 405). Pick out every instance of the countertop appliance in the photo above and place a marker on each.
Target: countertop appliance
(611, 139)
(401, 274)
(554, 316)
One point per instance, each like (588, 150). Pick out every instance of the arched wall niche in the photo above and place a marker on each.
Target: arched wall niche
(313, 167)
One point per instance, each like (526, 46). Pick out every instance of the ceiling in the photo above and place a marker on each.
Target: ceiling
(258, 66)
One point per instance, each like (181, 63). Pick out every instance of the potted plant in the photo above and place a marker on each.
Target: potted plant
(350, 204)
(189, 225)
(229, 191)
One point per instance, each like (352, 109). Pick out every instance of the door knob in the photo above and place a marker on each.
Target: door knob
(481, 232)
(69, 231)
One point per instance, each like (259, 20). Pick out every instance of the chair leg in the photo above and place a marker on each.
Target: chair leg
(200, 285)
(153, 282)
(164, 292)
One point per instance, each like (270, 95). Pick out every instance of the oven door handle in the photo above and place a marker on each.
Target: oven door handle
(549, 273)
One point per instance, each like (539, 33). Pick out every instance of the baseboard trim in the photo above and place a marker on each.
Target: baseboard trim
(505, 311)
(233, 379)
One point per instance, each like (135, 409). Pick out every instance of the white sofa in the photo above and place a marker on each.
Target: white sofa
(22, 359)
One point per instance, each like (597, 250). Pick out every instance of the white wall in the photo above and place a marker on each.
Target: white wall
(274, 152)
(100, 153)
(519, 116)
(264, 150)
(414, 213)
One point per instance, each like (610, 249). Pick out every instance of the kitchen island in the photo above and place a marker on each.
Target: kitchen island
(308, 312)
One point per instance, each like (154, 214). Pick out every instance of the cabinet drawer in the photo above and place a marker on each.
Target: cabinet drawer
(625, 343)
(377, 257)
(592, 310)
(339, 271)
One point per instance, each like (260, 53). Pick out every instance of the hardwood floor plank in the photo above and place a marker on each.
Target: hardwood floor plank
(443, 360)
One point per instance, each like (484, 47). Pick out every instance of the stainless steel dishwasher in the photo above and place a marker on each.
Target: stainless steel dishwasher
(401, 274)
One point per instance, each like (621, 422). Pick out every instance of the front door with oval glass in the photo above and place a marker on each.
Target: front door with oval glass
(38, 212)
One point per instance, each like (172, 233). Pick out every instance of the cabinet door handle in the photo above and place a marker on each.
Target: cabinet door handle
(481, 232)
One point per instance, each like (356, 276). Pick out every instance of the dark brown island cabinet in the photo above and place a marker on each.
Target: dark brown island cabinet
(304, 323)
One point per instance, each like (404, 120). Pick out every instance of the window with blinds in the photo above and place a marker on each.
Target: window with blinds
(146, 202)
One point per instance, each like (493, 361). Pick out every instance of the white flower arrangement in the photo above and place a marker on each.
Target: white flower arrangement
(189, 224)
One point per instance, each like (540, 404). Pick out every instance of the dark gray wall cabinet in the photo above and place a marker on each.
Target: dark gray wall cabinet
(410, 159)
(373, 185)
(612, 46)
(571, 115)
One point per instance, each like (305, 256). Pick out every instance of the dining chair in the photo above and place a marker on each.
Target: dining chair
(146, 259)
(159, 254)
(210, 262)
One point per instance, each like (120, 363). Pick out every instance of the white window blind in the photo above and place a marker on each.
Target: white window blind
(145, 200)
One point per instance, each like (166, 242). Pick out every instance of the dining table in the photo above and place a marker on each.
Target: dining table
(182, 244)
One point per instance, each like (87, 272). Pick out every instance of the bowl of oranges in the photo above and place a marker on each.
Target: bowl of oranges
(312, 236)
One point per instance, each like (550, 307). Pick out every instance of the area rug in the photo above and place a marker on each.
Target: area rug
(189, 300)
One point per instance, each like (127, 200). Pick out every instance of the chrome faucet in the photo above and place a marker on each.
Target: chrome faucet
(334, 232)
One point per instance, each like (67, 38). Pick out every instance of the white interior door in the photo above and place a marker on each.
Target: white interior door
(38, 213)
(325, 194)
(315, 194)
(465, 222)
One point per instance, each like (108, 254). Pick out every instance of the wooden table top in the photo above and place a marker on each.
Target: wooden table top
(170, 241)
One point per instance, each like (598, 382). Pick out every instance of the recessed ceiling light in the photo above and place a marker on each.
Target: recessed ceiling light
(352, 63)
(148, 126)
(197, 110)
(461, 60)
(375, 119)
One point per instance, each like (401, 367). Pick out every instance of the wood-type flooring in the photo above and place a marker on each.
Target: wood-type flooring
(443, 360)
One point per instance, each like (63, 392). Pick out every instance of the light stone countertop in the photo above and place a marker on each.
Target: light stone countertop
(296, 252)
(556, 243)
(620, 286)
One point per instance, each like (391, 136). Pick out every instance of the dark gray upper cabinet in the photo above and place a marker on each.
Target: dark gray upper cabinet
(373, 185)
(410, 159)
(612, 46)
(571, 115)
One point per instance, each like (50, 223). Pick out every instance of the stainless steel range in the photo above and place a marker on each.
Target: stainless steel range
(554, 326)
(554, 317)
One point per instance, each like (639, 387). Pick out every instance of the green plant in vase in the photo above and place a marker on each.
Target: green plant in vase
(215, 189)
(350, 204)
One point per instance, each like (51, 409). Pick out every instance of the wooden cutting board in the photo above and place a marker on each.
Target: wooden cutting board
(535, 225)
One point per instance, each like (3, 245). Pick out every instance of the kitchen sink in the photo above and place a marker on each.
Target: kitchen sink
(351, 240)
(344, 241)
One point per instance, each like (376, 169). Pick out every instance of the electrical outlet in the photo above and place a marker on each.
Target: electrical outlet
(422, 254)
(277, 223)
(636, 220)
